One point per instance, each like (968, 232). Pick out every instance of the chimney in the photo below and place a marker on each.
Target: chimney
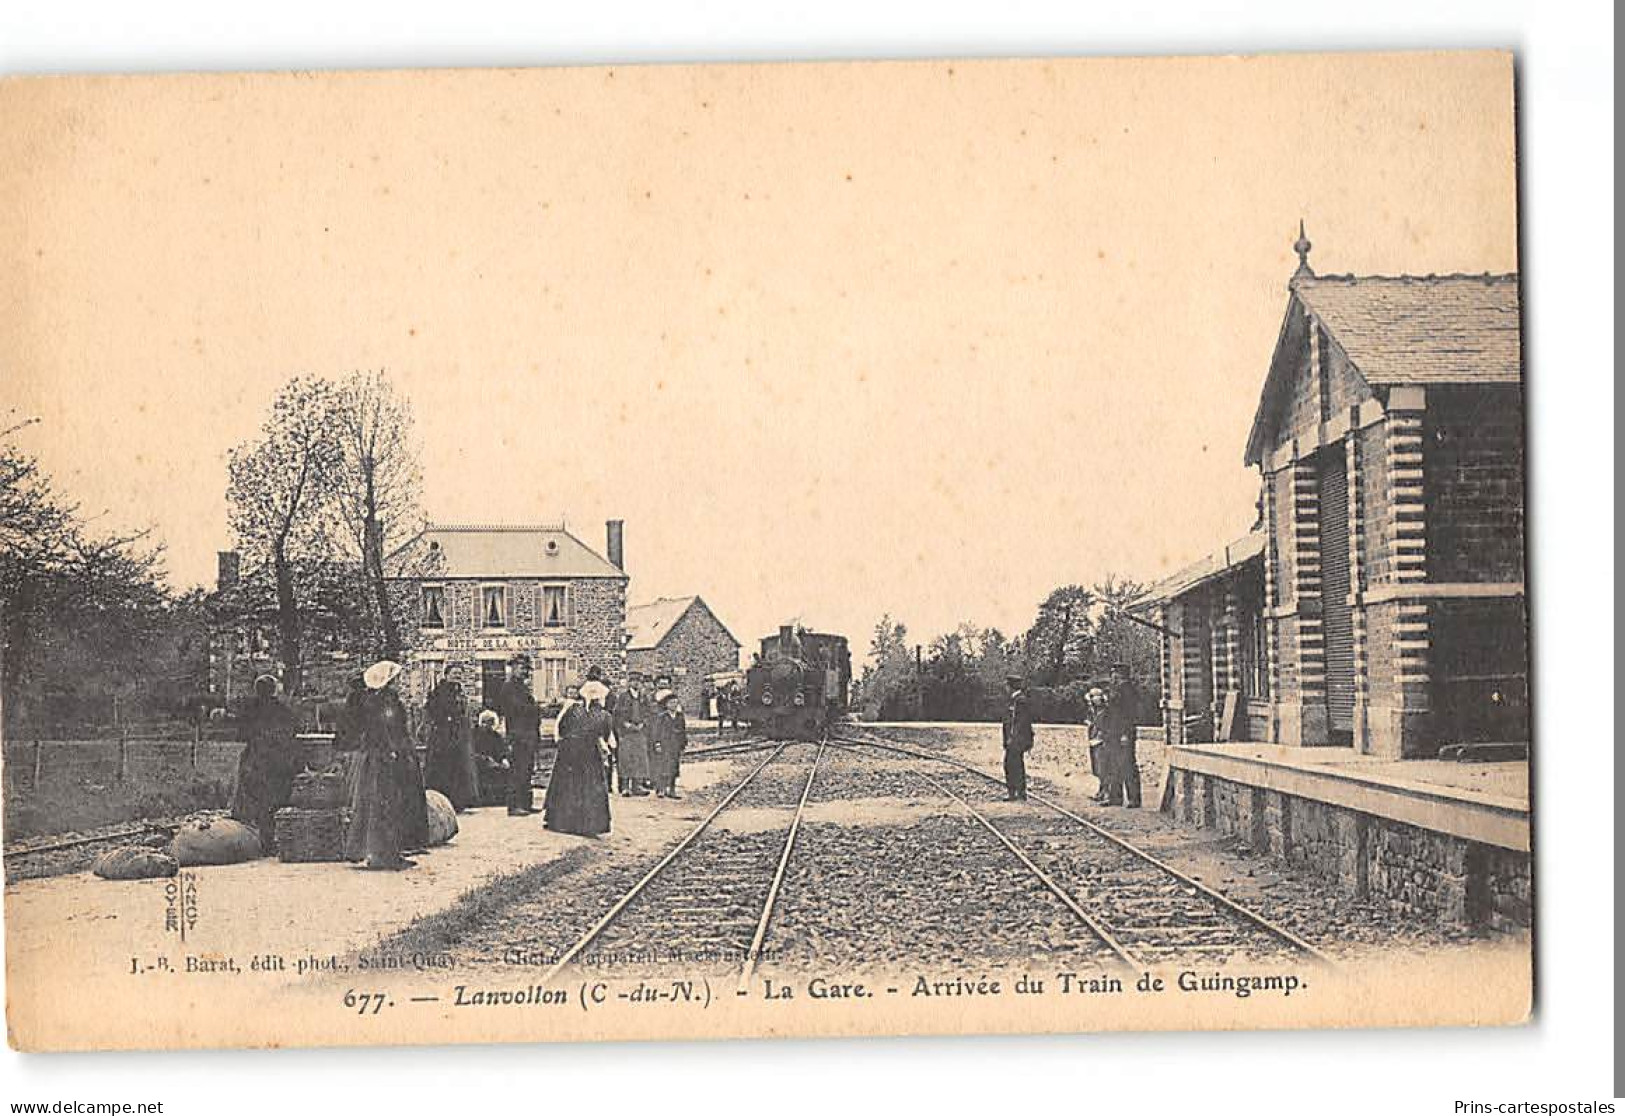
(615, 539)
(228, 568)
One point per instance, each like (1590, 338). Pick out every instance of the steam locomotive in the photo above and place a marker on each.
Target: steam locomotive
(798, 684)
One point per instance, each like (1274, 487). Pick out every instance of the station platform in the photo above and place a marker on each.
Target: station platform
(1437, 838)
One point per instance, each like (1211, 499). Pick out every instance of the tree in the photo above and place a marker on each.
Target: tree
(280, 498)
(1056, 646)
(1123, 637)
(79, 612)
(888, 684)
(377, 490)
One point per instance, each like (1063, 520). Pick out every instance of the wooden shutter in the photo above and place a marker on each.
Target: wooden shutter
(1337, 618)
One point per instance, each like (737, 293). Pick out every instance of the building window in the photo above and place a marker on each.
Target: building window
(552, 675)
(434, 606)
(555, 606)
(493, 606)
(1255, 677)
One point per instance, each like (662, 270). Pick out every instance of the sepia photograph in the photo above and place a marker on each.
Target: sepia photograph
(724, 550)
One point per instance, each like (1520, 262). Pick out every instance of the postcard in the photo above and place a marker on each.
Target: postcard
(706, 551)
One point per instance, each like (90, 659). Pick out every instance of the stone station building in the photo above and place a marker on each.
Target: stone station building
(1375, 614)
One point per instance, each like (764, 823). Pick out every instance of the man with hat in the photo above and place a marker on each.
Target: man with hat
(523, 717)
(1018, 738)
(631, 716)
(1116, 723)
(667, 741)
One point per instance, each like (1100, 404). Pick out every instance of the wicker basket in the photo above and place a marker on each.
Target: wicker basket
(305, 836)
(320, 790)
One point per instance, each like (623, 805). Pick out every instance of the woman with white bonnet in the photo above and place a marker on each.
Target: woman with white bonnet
(577, 794)
(383, 803)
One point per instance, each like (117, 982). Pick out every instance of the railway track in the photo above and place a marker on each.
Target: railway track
(1143, 910)
(56, 855)
(712, 896)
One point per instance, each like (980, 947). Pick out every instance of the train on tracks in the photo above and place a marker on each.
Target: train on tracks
(799, 684)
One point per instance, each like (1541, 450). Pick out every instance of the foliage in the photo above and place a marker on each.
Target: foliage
(331, 484)
(377, 491)
(75, 806)
(280, 490)
(1075, 638)
(86, 621)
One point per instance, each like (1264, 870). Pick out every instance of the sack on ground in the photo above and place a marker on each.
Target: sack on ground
(215, 841)
(442, 818)
(134, 862)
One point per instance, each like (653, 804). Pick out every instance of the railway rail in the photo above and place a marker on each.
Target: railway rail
(58, 854)
(710, 893)
(1143, 909)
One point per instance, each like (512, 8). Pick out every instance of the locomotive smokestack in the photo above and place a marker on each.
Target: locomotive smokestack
(615, 542)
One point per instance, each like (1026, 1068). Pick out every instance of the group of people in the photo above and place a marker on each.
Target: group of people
(722, 703)
(637, 749)
(1114, 713)
(633, 744)
(651, 734)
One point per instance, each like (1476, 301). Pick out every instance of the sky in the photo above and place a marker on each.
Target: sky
(926, 339)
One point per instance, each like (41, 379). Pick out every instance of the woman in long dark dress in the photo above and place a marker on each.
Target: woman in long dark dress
(577, 795)
(668, 738)
(385, 770)
(450, 769)
(266, 769)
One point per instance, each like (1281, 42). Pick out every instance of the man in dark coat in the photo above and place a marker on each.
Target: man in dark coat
(1018, 739)
(1120, 785)
(268, 764)
(632, 713)
(524, 726)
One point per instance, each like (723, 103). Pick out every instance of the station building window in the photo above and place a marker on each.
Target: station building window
(434, 606)
(493, 606)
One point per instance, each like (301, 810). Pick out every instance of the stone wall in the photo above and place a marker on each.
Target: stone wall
(1473, 462)
(1416, 872)
(594, 632)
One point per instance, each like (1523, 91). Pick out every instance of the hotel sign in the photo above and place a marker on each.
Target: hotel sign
(492, 643)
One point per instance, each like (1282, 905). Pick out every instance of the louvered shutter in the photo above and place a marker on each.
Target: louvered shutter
(1337, 618)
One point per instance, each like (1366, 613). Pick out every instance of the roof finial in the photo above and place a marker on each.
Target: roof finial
(1301, 247)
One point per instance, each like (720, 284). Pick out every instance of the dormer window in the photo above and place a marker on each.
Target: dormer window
(493, 606)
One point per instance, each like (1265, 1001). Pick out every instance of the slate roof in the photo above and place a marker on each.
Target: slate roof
(1400, 329)
(649, 624)
(498, 552)
(1434, 329)
(1245, 549)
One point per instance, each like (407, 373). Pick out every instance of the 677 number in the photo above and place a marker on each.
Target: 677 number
(365, 1003)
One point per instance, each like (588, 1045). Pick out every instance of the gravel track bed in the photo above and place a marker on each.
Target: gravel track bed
(1153, 913)
(703, 904)
(1340, 926)
(940, 891)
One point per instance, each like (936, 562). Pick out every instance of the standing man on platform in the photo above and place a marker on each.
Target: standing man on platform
(524, 724)
(1018, 739)
(1120, 786)
(631, 714)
